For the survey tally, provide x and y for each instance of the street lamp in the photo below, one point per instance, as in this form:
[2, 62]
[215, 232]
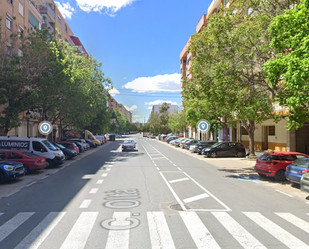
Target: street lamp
[28, 113]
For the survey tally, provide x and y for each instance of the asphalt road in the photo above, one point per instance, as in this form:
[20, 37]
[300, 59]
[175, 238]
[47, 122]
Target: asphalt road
[154, 197]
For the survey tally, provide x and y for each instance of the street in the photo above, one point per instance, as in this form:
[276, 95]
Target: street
[154, 197]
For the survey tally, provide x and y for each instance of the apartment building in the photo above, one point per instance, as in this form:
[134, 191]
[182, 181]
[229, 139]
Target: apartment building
[269, 135]
[21, 16]
[113, 104]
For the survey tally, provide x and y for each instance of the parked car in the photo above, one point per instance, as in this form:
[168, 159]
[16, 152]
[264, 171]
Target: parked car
[181, 144]
[31, 162]
[69, 153]
[188, 143]
[101, 139]
[91, 144]
[226, 149]
[274, 164]
[304, 182]
[10, 170]
[70, 145]
[81, 141]
[202, 145]
[168, 139]
[295, 170]
[128, 145]
[178, 141]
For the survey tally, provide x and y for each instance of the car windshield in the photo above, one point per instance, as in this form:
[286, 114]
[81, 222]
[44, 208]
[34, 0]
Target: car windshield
[60, 146]
[49, 145]
[268, 157]
[128, 142]
[302, 163]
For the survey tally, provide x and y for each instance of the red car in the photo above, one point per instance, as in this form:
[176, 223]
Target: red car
[30, 161]
[274, 164]
[69, 145]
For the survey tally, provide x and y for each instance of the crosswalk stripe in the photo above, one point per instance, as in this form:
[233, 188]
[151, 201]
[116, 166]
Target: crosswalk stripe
[237, 231]
[41, 231]
[7, 228]
[119, 238]
[279, 233]
[160, 235]
[80, 232]
[198, 231]
[295, 221]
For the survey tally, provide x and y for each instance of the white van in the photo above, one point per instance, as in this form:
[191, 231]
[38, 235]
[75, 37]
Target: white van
[38, 146]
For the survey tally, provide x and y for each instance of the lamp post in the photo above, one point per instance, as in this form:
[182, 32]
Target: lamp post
[28, 113]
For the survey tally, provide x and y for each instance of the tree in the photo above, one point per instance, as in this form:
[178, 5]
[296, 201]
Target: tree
[288, 70]
[227, 66]
[177, 122]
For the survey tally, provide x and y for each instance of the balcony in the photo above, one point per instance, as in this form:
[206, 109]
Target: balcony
[35, 11]
[46, 25]
[214, 5]
[47, 11]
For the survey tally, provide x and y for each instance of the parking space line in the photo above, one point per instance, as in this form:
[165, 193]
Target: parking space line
[284, 193]
[195, 198]
[179, 180]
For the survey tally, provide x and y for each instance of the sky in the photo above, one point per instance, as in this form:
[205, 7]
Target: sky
[138, 43]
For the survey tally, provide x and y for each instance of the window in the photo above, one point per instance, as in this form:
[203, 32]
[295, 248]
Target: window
[10, 1]
[244, 131]
[9, 22]
[14, 156]
[21, 9]
[59, 18]
[20, 32]
[271, 130]
[66, 28]
[20, 53]
[9, 50]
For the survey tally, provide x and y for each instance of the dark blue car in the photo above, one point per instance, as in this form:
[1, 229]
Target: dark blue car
[10, 170]
[295, 170]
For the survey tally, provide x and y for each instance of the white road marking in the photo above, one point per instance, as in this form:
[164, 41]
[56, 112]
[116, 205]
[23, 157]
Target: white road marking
[99, 181]
[284, 193]
[85, 204]
[195, 198]
[80, 232]
[119, 238]
[244, 238]
[93, 190]
[7, 228]
[104, 175]
[179, 180]
[295, 221]
[108, 169]
[199, 233]
[280, 234]
[41, 231]
[159, 232]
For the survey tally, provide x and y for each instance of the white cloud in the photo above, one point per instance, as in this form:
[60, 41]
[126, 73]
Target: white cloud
[132, 108]
[113, 91]
[66, 9]
[110, 7]
[158, 83]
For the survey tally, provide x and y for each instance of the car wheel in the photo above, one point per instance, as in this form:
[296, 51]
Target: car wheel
[240, 154]
[280, 175]
[2, 178]
[66, 157]
[27, 170]
[213, 154]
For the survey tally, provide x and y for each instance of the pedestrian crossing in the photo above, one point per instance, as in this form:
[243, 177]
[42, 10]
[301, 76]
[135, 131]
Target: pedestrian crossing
[199, 230]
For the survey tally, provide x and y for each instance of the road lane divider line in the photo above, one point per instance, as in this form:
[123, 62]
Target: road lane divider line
[160, 235]
[179, 180]
[157, 168]
[119, 238]
[279, 233]
[99, 182]
[244, 238]
[85, 204]
[173, 192]
[80, 232]
[199, 233]
[34, 239]
[104, 175]
[93, 191]
[195, 198]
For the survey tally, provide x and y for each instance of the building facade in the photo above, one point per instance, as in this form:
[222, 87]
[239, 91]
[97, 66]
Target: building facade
[171, 110]
[113, 104]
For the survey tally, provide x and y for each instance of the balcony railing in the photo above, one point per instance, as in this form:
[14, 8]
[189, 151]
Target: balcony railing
[34, 9]
[46, 9]
[47, 25]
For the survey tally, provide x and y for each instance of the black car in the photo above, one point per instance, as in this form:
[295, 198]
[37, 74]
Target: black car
[202, 145]
[91, 144]
[226, 149]
[10, 170]
[69, 154]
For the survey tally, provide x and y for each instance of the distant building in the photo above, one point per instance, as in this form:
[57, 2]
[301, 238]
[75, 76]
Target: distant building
[171, 110]
[113, 104]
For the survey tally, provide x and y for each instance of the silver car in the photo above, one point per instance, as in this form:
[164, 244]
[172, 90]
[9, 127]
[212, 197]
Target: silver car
[128, 145]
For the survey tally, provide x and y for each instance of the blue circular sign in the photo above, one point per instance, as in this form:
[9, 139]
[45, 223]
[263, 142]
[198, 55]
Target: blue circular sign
[45, 127]
[203, 125]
